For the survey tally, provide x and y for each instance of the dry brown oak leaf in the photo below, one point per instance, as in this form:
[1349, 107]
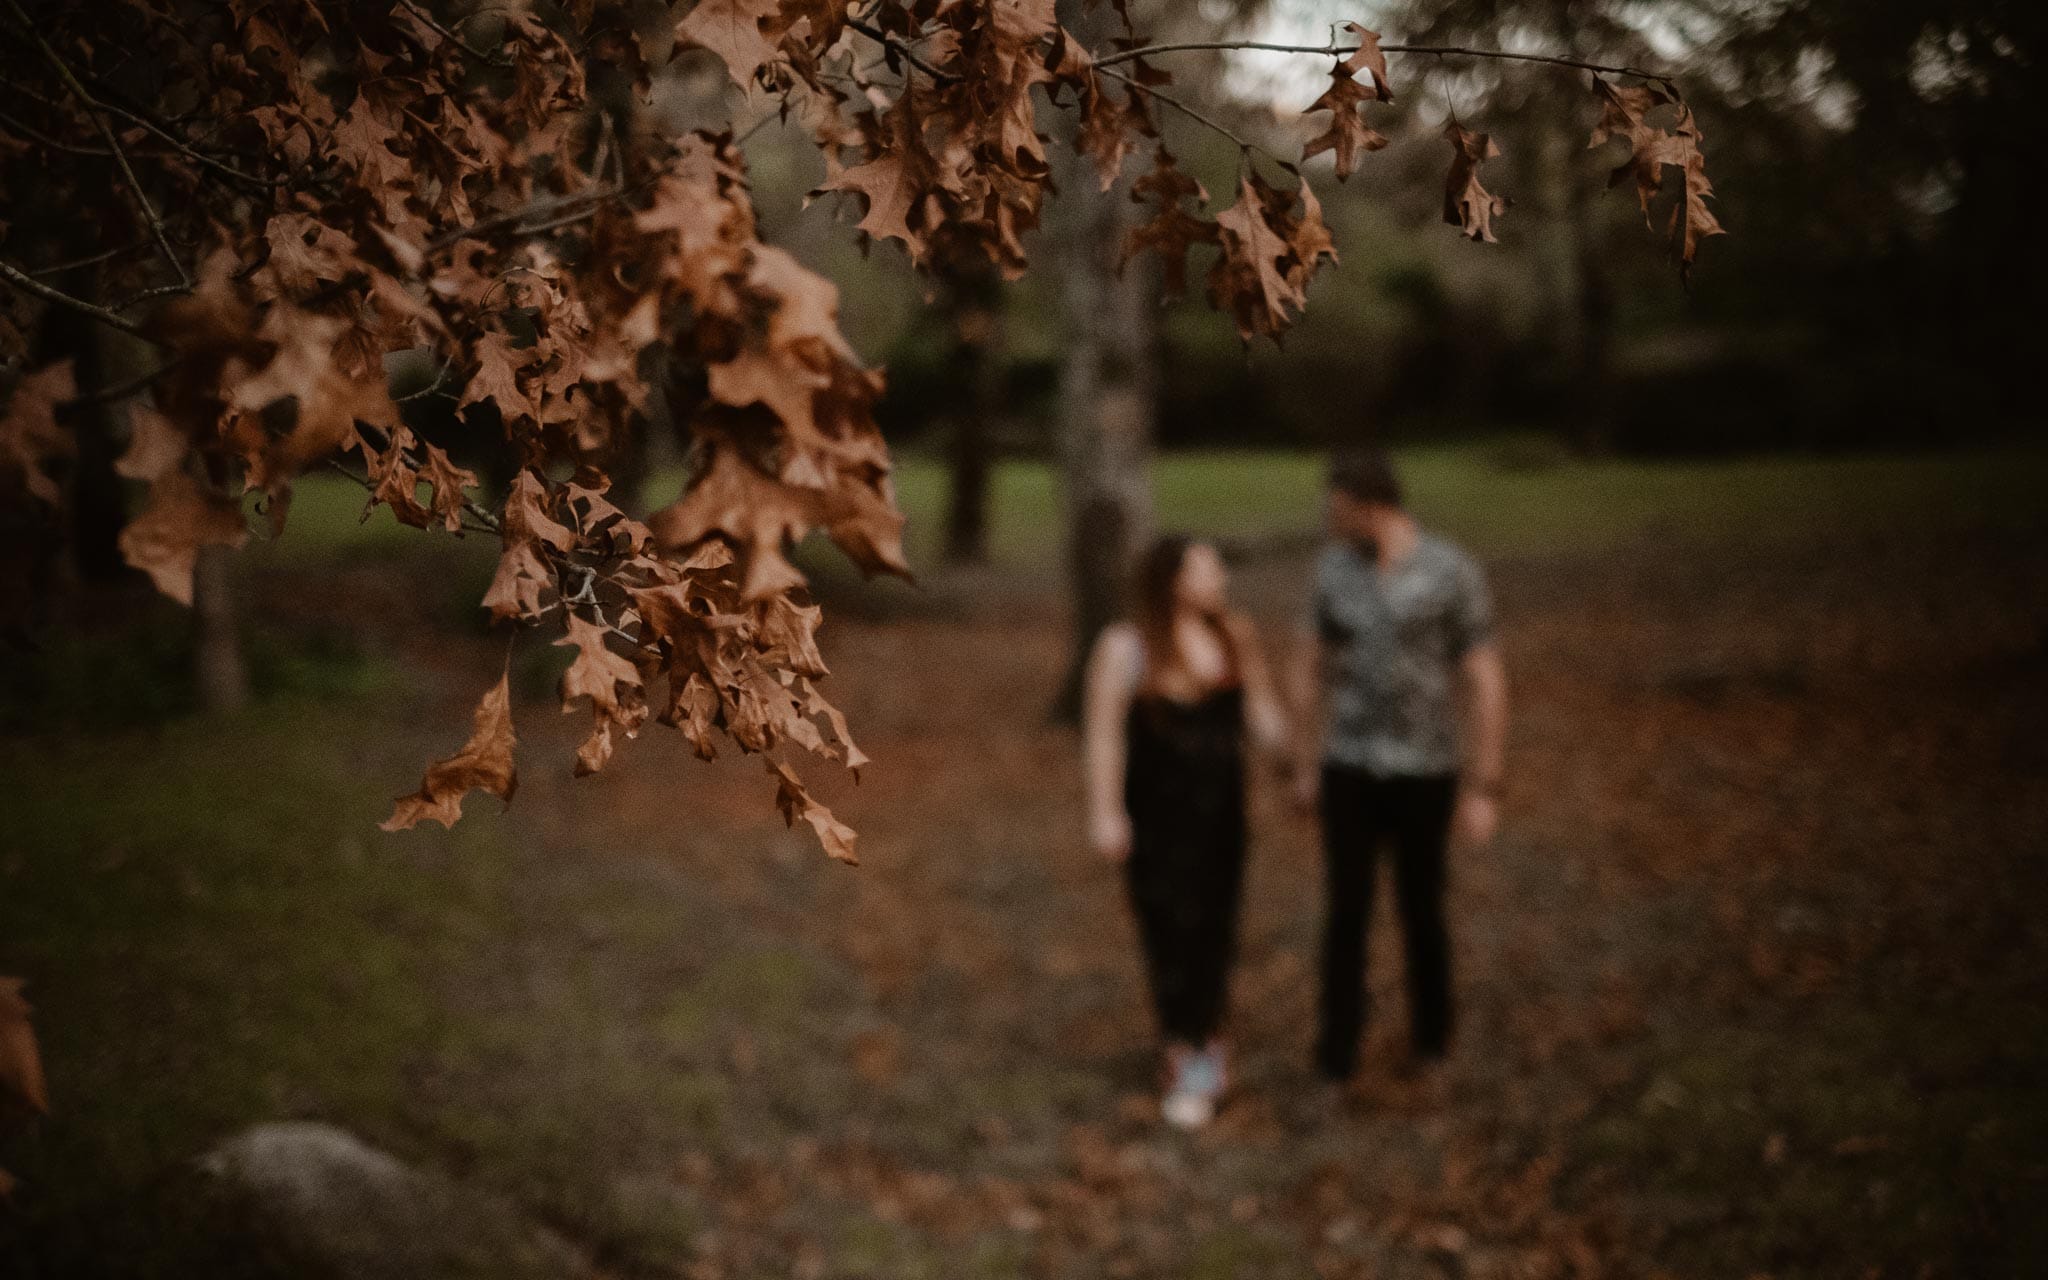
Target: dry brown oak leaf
[483, 764]
[1254, 277]
[1348, 135]
[795, 802]
[182, 517]
[743, 33]
[1172, 230]
[1367, 57]
[610, 682]
[1468, 205]
[29, 435]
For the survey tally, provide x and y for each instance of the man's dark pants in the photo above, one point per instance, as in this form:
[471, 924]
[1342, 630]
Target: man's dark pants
[1361, 814]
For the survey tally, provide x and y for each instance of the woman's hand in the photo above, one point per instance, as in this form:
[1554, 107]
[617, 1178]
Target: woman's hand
[1110, 835]
[1477, 818]
[1306, 787]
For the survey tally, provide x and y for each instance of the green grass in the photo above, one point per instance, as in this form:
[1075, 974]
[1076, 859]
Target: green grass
[211, 942]
[1488, 496]
[1501, 497]
[215, 935]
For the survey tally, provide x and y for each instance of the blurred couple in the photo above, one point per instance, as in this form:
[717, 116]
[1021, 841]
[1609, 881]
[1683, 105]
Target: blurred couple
[1399, 636]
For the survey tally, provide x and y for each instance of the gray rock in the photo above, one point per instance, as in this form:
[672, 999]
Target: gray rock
[361, 1213]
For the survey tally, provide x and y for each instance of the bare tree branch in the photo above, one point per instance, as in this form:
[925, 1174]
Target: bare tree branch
[145, 295]
[1334, 50]
[1185, 110]
[56, 297]
[514, 217]
[489, 521]
[909, 55]
[133, 117]
[56, 268]
[183, 147]
[86, 101]
[335, 465]
[433, 24]
[37, 136]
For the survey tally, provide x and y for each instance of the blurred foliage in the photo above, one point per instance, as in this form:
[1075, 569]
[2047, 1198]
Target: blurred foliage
[1872, 292]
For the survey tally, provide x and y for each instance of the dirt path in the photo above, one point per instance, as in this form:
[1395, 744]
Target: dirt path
[1751, 982]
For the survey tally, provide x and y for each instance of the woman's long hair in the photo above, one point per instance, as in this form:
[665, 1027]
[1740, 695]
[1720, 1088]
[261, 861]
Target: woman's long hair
[1156, 598]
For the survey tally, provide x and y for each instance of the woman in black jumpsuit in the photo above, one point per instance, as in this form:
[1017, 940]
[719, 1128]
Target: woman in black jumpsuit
[1184, 783]
[1171, 698]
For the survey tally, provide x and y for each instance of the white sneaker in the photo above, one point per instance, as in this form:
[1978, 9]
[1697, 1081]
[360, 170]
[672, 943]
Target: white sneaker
[1186, 1109]
[1197, 1082]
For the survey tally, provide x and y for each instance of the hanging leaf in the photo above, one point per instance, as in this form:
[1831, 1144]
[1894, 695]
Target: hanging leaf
[483, 764]
[30, 438]
[1468, 205]
[1348, 135]
[795, 802]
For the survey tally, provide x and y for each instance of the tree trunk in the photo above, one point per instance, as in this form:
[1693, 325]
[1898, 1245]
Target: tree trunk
[217, 669]
[972, 300]
[1107, 403]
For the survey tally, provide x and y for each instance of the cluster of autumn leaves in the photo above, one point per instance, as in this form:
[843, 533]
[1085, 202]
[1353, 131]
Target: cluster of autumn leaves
[395, 208]
[371, 180]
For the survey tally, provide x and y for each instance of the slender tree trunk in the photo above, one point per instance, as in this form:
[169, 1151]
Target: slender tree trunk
[217, 668]
[1108, 388]
[972, 300]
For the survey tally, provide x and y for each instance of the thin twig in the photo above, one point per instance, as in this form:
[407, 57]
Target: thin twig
[37, 136]
[335, 465]
[58, 268]
[146, 295]
[432, 388]
[155, 126]
[517, 218]
[565, 606]
[1338, 51]
[434, 24]
[106, 131]
[56, 297]
[567, 219]
[909, 55]
[489, 521]
[1187, 110]
[183, 147]
[512, 217]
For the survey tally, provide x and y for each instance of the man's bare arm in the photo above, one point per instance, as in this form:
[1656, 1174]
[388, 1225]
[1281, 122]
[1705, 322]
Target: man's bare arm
[1486, 697]
[1486, 688]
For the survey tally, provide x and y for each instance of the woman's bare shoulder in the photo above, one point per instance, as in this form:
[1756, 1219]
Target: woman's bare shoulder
[1120, 642]
[1118, 659]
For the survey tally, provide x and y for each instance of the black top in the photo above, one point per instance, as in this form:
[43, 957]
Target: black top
[1184, 769]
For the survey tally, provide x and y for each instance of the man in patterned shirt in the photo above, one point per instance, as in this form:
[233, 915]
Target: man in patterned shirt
[1401, 627]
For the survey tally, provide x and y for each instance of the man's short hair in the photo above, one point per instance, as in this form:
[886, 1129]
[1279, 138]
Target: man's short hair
[1365, 474]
